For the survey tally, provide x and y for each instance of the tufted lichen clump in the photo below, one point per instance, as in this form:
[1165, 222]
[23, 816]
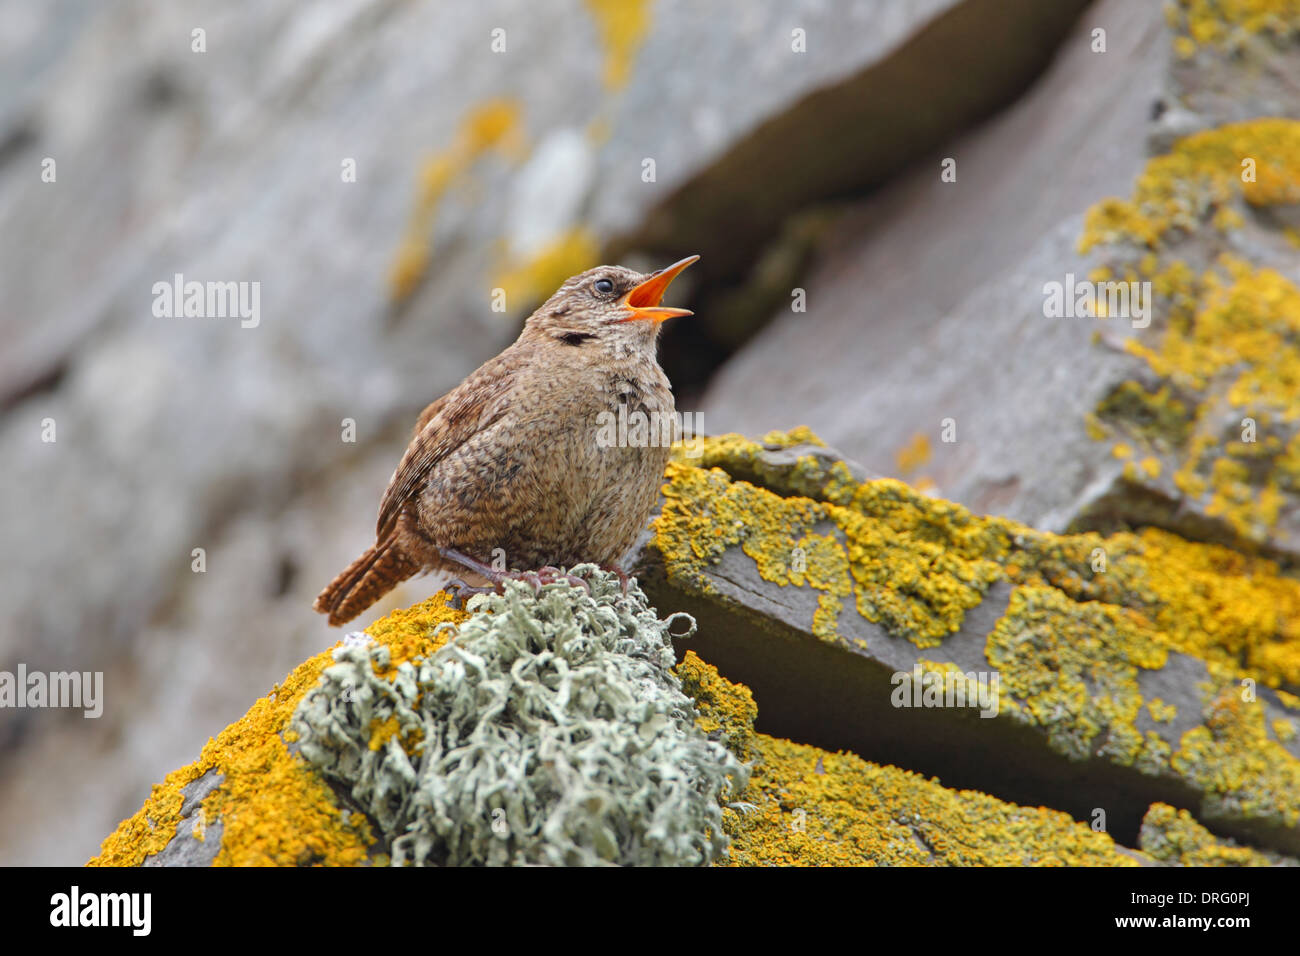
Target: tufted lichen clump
[549, 730]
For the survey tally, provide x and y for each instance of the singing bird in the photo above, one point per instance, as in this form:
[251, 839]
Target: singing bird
[517, 456]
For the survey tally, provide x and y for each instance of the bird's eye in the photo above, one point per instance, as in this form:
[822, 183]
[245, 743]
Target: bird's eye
[604, 286]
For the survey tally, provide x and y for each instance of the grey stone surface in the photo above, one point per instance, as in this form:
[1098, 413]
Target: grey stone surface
[183, 433]
[927, 305]
[197, 841]
[837, 693]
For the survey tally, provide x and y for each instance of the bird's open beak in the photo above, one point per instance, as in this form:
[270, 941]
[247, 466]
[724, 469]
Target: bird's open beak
[643, 301]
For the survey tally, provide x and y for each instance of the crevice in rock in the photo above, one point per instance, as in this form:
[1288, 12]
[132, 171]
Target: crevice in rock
[1128, 505]
[818, 694]
[743, 213]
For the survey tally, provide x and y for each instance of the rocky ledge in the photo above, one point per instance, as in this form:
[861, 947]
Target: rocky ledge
[846, 672]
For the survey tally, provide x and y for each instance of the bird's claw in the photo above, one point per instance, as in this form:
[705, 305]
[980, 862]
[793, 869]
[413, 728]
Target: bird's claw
[462, 592]
[554, 574]
[539, 578]
[623, 578]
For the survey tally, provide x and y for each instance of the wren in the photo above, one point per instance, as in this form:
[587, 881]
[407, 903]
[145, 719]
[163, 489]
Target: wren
[511, 458]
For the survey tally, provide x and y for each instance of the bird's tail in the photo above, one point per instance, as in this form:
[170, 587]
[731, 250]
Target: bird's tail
[384, 566]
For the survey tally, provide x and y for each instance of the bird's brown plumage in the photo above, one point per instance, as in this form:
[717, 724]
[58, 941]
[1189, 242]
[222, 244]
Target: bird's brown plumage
[515, 457]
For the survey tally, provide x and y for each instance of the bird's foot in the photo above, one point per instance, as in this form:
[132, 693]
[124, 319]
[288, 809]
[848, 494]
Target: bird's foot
[462, 592]
[549, 575]
[623, 578]
[538, 578]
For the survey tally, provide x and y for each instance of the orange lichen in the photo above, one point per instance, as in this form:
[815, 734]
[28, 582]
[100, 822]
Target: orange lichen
[1174, 836]
[808, 807]
[1257, 160]
[815, 808]
[493, 126]
[915, 454]
[273, 809]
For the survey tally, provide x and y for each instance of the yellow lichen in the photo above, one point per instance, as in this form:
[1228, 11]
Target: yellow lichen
[566, 255]
[916, 564]
[1232, 758]
[1174, 836]
[1156, 418]
[915, 567]
[915, 454]
[1283, 730]
[622, 25]
[1087, 614]
[1073, 669]
[1161, 712]
[1202, 173]
[814, 808]
[1227, 355]
[808, 807]
[273, 809]
[493, 126]
[1228, 24]
[727, 710]
[1236, 612]
[381, 731]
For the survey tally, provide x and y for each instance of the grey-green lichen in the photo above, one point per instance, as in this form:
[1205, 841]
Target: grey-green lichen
[549, 730]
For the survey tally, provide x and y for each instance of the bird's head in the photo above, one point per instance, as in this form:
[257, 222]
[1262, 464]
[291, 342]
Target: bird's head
[609, 304]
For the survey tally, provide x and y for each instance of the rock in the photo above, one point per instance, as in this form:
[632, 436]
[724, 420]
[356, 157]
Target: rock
[808, 807]
[272, 789]
[1106, 713]
[928, 318]
[842, 603]
[1173, 836]
[228, 156]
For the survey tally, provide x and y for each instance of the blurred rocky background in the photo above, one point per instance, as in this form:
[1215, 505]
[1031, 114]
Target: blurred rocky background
[389, 172]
